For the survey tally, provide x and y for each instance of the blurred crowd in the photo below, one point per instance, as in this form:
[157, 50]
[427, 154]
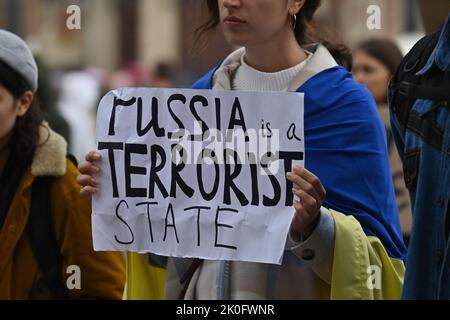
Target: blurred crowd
[70, 98]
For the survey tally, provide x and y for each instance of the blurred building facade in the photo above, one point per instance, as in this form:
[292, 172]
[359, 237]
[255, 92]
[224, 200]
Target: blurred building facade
[114, 32]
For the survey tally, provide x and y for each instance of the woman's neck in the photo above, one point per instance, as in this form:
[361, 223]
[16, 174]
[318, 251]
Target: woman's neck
[278, 54]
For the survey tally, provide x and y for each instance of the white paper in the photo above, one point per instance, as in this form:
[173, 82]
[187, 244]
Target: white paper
[129, 216]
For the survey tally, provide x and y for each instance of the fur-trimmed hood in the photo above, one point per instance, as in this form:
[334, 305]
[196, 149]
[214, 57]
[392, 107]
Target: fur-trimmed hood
[50, 156]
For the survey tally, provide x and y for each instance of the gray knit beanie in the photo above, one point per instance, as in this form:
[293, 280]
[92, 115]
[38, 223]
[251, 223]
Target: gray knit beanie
[15, 53]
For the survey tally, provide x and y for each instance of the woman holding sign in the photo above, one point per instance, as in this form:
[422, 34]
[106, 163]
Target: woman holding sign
[345, 235]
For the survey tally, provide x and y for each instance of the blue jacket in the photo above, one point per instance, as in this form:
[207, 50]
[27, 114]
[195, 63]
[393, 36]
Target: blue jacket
[428, 263]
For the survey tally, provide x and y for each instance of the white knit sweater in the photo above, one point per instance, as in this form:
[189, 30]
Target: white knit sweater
[250, 79]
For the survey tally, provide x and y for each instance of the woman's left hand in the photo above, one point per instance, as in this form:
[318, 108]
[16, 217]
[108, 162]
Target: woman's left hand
[311, 193]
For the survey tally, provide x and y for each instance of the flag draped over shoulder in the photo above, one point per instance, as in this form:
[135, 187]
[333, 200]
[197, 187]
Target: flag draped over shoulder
[346, 148]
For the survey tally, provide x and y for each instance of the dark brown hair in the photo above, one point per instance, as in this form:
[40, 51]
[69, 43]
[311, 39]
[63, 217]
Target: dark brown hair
[305, 32]
[25, 136]
[384, 50]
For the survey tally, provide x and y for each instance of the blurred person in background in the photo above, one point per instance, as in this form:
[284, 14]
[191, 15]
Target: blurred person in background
[79, 95]
[45, 225]
[47, 98]
[139, 73]
[374, 63]
[132, 74]
[163, 76]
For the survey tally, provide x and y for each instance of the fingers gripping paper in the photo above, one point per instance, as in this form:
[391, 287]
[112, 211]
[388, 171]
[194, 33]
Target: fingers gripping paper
[197, 173]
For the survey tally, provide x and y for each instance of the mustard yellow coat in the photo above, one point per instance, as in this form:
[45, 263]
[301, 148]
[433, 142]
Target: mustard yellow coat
[144, 281]
[102, 273]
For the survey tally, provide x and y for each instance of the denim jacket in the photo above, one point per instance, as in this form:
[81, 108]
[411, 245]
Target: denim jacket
[427, 173]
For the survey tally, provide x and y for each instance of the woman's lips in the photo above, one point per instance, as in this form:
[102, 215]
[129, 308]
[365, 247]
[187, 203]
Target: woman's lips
[233, 21]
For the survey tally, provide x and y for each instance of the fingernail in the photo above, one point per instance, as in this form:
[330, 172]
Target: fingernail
[289, 174]
[96, 169]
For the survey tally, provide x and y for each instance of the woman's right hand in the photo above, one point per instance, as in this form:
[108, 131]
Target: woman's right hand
[87, 170]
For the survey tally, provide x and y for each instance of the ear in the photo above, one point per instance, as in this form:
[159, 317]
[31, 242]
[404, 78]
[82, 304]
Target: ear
[24, 103]
[295, 6]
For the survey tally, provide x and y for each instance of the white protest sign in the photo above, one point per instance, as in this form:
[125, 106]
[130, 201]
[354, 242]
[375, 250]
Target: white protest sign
[197, 173]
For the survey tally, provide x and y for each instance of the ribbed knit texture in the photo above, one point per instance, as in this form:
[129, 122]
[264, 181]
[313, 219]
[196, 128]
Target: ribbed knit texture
[248, 78]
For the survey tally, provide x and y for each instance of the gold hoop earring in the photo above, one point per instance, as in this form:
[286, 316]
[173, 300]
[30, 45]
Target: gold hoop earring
[294, 22]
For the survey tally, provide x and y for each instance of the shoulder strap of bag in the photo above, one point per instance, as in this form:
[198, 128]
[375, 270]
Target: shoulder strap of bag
[405, 83]
[41, 231]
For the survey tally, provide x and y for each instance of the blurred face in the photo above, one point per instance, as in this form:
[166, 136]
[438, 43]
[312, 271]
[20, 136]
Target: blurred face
[7, 112]
[371, 72]
[254, 22]
[10, 109]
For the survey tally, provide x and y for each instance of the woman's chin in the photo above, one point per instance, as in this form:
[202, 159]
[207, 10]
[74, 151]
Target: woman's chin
[236, 40]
